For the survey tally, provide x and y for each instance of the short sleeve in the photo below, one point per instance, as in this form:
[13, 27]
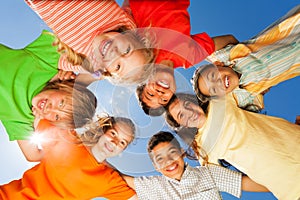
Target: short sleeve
[247, 100]
[43, 48]
[117, 187]
[145, 186]
[227, 180]
[18, 130]
[174, 41]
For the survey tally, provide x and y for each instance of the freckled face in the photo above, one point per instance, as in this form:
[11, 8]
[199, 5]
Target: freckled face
[115, 139]
[119, 54]
[50, 104]
[187, 114]
[218, 81]
[160, 88]
[168, 160]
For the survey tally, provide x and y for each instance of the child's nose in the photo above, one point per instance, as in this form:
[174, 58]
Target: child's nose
[115, 140]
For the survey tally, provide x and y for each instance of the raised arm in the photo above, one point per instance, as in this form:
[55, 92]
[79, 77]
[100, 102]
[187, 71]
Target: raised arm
[251, 186]
[30, 150]
[129, 180]
[223, 40]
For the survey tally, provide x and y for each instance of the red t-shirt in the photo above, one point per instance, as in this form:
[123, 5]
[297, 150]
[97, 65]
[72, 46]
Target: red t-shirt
[171, 23]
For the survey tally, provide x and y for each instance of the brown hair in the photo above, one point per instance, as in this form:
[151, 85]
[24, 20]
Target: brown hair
[147, 109]
[188, 136]
[94, 130]
[185, 97]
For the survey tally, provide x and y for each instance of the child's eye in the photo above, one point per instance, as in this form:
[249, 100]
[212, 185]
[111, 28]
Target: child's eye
[159, 159]
[181, 116]
[117, 68]
[173, 152]
[123, 143]
[186, 104]
[150, 94]
[213, 76]
[126, 51]
[113, 133]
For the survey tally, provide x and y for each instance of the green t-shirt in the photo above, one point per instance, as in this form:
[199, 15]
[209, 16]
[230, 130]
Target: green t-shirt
[24, 73]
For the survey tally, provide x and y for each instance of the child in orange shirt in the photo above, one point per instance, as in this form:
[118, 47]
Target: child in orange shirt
[70, 170]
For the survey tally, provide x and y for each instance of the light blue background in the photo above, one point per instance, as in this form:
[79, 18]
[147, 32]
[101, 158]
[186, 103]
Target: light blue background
[19, 26]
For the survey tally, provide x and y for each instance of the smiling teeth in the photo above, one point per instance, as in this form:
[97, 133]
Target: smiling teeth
[105, 48]
[226, 82]
[163, 84]
[171, 167]
[42, 104]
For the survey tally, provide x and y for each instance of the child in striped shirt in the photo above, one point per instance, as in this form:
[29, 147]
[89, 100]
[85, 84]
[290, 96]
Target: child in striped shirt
[249, 69]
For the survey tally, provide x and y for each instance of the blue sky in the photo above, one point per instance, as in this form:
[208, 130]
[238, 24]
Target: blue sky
[244, 19]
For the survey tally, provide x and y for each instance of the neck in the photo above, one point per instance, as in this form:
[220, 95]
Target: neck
[98, 155]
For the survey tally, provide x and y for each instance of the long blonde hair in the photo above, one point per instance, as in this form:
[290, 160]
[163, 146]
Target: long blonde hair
[72, 56]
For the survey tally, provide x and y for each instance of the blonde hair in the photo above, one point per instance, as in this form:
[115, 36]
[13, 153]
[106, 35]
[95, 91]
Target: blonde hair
[72, 56]
[148, 51]
[82, 105]
[94, 130]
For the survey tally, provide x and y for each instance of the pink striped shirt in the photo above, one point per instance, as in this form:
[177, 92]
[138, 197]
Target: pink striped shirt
[77, 22]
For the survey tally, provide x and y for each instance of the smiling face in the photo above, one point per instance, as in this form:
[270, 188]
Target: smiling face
[50, 105]
[187, 114]
[115, 140]
[218, 81]
[118, 54]
[168, 160]
[160, 88]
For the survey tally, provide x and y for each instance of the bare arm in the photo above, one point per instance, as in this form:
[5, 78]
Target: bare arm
[31, 152]
[224, 40]
[134, 197]
[251, 186]
[129, 180]
[297, 120]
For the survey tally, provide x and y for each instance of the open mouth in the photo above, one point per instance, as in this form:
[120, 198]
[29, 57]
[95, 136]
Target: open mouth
[226, 82]
[172, 167]
[108, 147]
[104, 47]
[163, 84]
[41, 104]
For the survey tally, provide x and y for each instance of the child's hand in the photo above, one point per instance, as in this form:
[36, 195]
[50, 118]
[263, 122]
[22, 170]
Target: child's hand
[265, 91]
[66, 75]
[219, 64]
[297, 120]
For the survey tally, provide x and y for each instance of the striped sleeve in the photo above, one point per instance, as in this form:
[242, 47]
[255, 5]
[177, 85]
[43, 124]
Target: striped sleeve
[77, 22]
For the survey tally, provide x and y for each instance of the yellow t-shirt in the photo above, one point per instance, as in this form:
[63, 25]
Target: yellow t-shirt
[265, 148]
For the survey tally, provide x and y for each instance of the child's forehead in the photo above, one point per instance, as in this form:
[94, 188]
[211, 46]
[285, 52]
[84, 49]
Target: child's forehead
[163, 147]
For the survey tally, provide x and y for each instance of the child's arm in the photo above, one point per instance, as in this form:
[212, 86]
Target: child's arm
[224, 40]
[251, 186]
[30, 150]
[297, 120]
[129, 180]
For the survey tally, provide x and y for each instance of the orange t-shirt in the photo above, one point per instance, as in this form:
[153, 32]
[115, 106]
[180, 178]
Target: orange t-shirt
[67, 171]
